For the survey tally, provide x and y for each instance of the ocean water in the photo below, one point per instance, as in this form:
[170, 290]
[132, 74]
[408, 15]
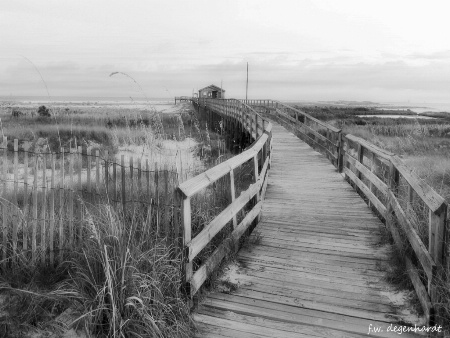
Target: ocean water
[85, 100]
[415, 107]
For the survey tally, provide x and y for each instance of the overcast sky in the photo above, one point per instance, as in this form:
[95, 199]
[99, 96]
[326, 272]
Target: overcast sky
[300, 50]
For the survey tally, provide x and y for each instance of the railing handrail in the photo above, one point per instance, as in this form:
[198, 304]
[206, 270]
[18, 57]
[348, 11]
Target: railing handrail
[430, 258]
[248, 118]
[201, 181]
[323, 124]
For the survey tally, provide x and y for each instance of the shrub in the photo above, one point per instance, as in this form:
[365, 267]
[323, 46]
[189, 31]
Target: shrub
[43, 111]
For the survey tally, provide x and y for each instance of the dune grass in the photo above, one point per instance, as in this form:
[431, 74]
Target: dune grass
[123, 281]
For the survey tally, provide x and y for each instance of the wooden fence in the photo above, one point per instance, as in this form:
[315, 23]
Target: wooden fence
[45, 197]
[259, 154]
[415, 214]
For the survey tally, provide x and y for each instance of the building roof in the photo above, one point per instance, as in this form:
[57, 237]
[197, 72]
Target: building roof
[213, 87]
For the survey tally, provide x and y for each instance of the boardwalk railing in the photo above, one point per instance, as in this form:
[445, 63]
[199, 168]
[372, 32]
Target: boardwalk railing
[318, 134]
[414, 213]
[409, 207]
[259, 153]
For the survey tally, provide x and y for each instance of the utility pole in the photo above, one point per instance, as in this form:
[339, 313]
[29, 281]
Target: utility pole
[246, 86]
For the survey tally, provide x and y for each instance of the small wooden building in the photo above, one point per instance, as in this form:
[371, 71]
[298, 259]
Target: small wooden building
[212, 91]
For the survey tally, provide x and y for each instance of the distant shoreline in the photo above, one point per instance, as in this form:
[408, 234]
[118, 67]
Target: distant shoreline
[418, 108]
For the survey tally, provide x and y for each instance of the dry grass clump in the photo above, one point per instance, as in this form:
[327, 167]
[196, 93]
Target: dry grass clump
[124, 281]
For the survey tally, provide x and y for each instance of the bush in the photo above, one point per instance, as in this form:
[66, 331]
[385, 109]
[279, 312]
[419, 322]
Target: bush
[43, 111]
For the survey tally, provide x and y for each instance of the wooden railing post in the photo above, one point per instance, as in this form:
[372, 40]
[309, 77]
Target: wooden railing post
[233, 195]
[393, 179]
[436, 238]
[187, 233]
[340, 152]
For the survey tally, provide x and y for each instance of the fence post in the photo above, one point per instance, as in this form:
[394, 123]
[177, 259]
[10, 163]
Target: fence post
[61, 203]
[80, 194]
[71, 197]
[15, 215]
[52, 209]
[35, 210]
[25, 202]
[122, 178]
[4, 211]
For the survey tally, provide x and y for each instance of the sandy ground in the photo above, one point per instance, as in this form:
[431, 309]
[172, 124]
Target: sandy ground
[176, 155]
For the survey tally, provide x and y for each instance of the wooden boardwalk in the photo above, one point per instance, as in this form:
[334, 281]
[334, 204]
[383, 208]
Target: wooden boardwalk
[316, 270]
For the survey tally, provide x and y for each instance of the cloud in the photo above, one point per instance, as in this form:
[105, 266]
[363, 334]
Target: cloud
[269, 77]
[441, 55]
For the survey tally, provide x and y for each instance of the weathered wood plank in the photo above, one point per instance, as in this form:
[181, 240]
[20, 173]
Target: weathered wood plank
[371, 147]
[432, 199]
[227, 246]
[421, 291]
[419, 248]
[203, 238]
[375, 201]
[368, 174]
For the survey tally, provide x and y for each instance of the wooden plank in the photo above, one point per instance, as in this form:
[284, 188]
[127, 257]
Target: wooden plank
[122, 179]
[97, 175]
[307, 129]
[187, 233]
[25, 201]
[201, 181]
[157, 197]
[147, 177]
[139, 179]
[61, 203]
[233, 196]
[35, 209]
[266, 309]
[71, 195]
[166, 202]
[79, 199]
[330, 155]
[131, 183]
[114, 184]
[44, 209]
[52, 209]
[419, 248]
[209, 231]
[16, 188]
[228, 245]
[256, 176]
[106, 175]
[375, 201]
[436, 237]
[4, 205]
[380, 185]
[88, 172]
[421, 291]
[323, 124]
[371, 147]
[432, 199]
